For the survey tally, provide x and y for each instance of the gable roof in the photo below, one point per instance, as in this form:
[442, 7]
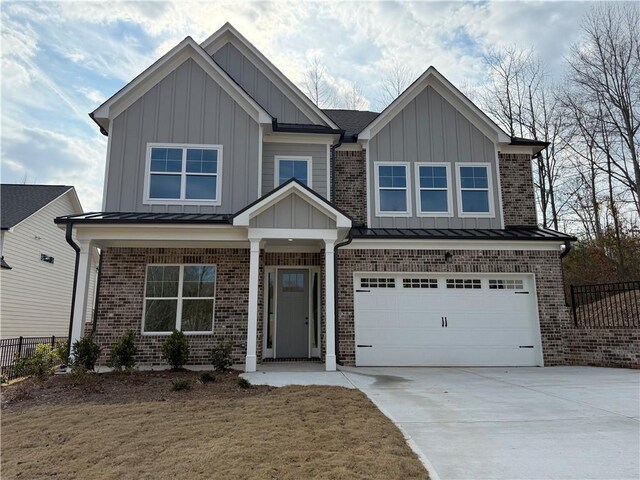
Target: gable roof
[228, 33]
[19, 202]
[187, 48]
[293, 185]
[351, 121]
[431, 77]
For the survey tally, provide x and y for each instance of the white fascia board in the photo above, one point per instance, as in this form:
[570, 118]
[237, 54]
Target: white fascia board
[431, 77]
[518, 149]
[294, 233]
[350, 147]
[245, 217]
[186, 49]
[159, 232]
[307, 138]
[440, 244]
[228, 33]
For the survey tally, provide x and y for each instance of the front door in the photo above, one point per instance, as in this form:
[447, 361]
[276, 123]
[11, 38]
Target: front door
[292, 322]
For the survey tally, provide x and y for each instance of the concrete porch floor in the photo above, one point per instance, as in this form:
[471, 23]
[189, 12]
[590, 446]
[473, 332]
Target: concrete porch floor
[296, 373]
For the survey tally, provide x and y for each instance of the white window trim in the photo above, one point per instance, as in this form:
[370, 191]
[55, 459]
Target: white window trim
[382, 213]
[276, 166]
[183, 176]
[491, 213]
[419, 212]
[179, 298]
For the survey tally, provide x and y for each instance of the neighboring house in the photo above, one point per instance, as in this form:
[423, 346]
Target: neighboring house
[234, 208]
[36, 278]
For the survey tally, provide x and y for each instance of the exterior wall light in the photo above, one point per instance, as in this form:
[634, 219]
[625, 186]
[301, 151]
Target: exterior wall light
[448, 257]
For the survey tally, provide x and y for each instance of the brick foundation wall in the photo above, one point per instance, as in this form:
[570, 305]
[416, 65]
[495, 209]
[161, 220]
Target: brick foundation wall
[545, 265]
[603, 347]
[350, 194]
[122, 296]
[516, 183]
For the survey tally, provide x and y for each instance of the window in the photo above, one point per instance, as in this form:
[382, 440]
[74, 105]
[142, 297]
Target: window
[465, 283]
[378, 283]
[433, 180]
[184, 174]
[391, 189]
[293, 167]
[293, 282]
[180, 297]
[420, 283]
[474, 198]
[506, 284]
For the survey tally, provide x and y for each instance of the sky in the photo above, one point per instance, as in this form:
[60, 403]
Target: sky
[61, 60]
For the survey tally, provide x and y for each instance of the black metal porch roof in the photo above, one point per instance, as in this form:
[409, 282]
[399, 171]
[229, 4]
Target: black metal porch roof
[513, 233]
[144, 217]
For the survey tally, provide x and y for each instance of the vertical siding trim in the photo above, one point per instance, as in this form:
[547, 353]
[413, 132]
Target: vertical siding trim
[106, 172]
[260, 134]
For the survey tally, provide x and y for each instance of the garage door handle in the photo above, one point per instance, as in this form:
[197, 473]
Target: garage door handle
[446, 323]
[442, 318]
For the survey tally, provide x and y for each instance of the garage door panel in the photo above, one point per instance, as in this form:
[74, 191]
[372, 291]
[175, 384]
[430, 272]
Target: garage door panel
[485, 327]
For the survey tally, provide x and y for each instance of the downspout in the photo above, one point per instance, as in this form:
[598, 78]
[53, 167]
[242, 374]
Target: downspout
[76, 247]
[335, 287]
[567, 249]
[97, 299]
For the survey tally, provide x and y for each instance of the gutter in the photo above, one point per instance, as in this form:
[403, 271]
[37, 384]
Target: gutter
[567, 249]
[102, 130]
[76, 247]
[335, 288]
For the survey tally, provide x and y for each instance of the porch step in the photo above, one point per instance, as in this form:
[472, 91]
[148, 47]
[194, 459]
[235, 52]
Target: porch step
[282, 360]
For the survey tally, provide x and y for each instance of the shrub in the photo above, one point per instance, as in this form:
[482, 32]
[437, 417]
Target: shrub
[180, 385]
[244, 383]
[61, 351]
[175, 349]
[40, 364]
[207, 377]
[85, 353]
[123, 353]
[3, 378]
[220, 356]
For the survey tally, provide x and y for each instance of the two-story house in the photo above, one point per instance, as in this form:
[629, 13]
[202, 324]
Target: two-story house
[235, 208]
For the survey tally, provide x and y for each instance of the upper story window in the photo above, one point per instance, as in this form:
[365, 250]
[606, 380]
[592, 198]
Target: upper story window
[183, 174]
[392, 193]
[434, 191]
[474, 192]
[292, 167]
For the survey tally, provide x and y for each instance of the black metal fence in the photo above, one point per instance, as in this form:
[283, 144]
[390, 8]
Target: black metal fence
[609, 305]
[25, 346]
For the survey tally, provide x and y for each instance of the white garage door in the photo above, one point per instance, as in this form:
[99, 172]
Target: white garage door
[446, 320]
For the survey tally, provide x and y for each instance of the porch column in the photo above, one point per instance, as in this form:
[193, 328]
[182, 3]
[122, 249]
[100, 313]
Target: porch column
[330, 306]
[252, 320]
[82, 291]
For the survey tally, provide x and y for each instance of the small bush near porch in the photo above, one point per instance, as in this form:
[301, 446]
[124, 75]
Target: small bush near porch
[134, 426]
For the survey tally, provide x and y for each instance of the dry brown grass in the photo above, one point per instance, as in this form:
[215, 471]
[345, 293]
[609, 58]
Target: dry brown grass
[293, 433]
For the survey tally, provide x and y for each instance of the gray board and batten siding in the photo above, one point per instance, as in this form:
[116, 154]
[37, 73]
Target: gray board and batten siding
[293, 212]
[186, 107]
[258, 86]
[430, 129]
[317, 152]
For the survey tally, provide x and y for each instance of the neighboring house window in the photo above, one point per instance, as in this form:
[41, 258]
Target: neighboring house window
[391, 189]
[474, 194]
[183, 174]
[293, 167]
[433, 180]
[180, 297]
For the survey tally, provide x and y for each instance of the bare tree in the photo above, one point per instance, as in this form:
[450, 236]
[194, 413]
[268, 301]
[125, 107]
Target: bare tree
[316, 85]
[393, 82]
[353, 99]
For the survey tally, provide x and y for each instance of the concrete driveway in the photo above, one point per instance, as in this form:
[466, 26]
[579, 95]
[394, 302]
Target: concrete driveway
[514, 423]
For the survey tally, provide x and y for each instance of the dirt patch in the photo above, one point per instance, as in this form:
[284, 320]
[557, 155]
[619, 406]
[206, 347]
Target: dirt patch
[214, 430]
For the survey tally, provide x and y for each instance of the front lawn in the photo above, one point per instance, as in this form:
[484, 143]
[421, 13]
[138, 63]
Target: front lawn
[135, 426]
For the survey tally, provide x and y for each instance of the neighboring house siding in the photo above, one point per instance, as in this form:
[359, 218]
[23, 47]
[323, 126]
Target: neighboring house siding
[545, 265]
[36, 295]
[187, 106]
[258, 86]
[292, 212]
[430, 129]
[518, 197]
[317, 152]
[350, 185]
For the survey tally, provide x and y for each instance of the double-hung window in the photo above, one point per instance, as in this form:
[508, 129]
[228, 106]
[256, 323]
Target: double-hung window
[434, 192]
[287, 167]
[474, 192]
[392, 192]
[184, 174]
[180, 297]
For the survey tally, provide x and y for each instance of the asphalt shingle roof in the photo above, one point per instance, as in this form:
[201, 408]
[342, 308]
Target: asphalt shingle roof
[351, 121]
[18, 202]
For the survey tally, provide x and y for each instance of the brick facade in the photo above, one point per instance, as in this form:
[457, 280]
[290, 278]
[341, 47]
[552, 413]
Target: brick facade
[603, 347]
[350, 193]
[516, 183]
[553, 313]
